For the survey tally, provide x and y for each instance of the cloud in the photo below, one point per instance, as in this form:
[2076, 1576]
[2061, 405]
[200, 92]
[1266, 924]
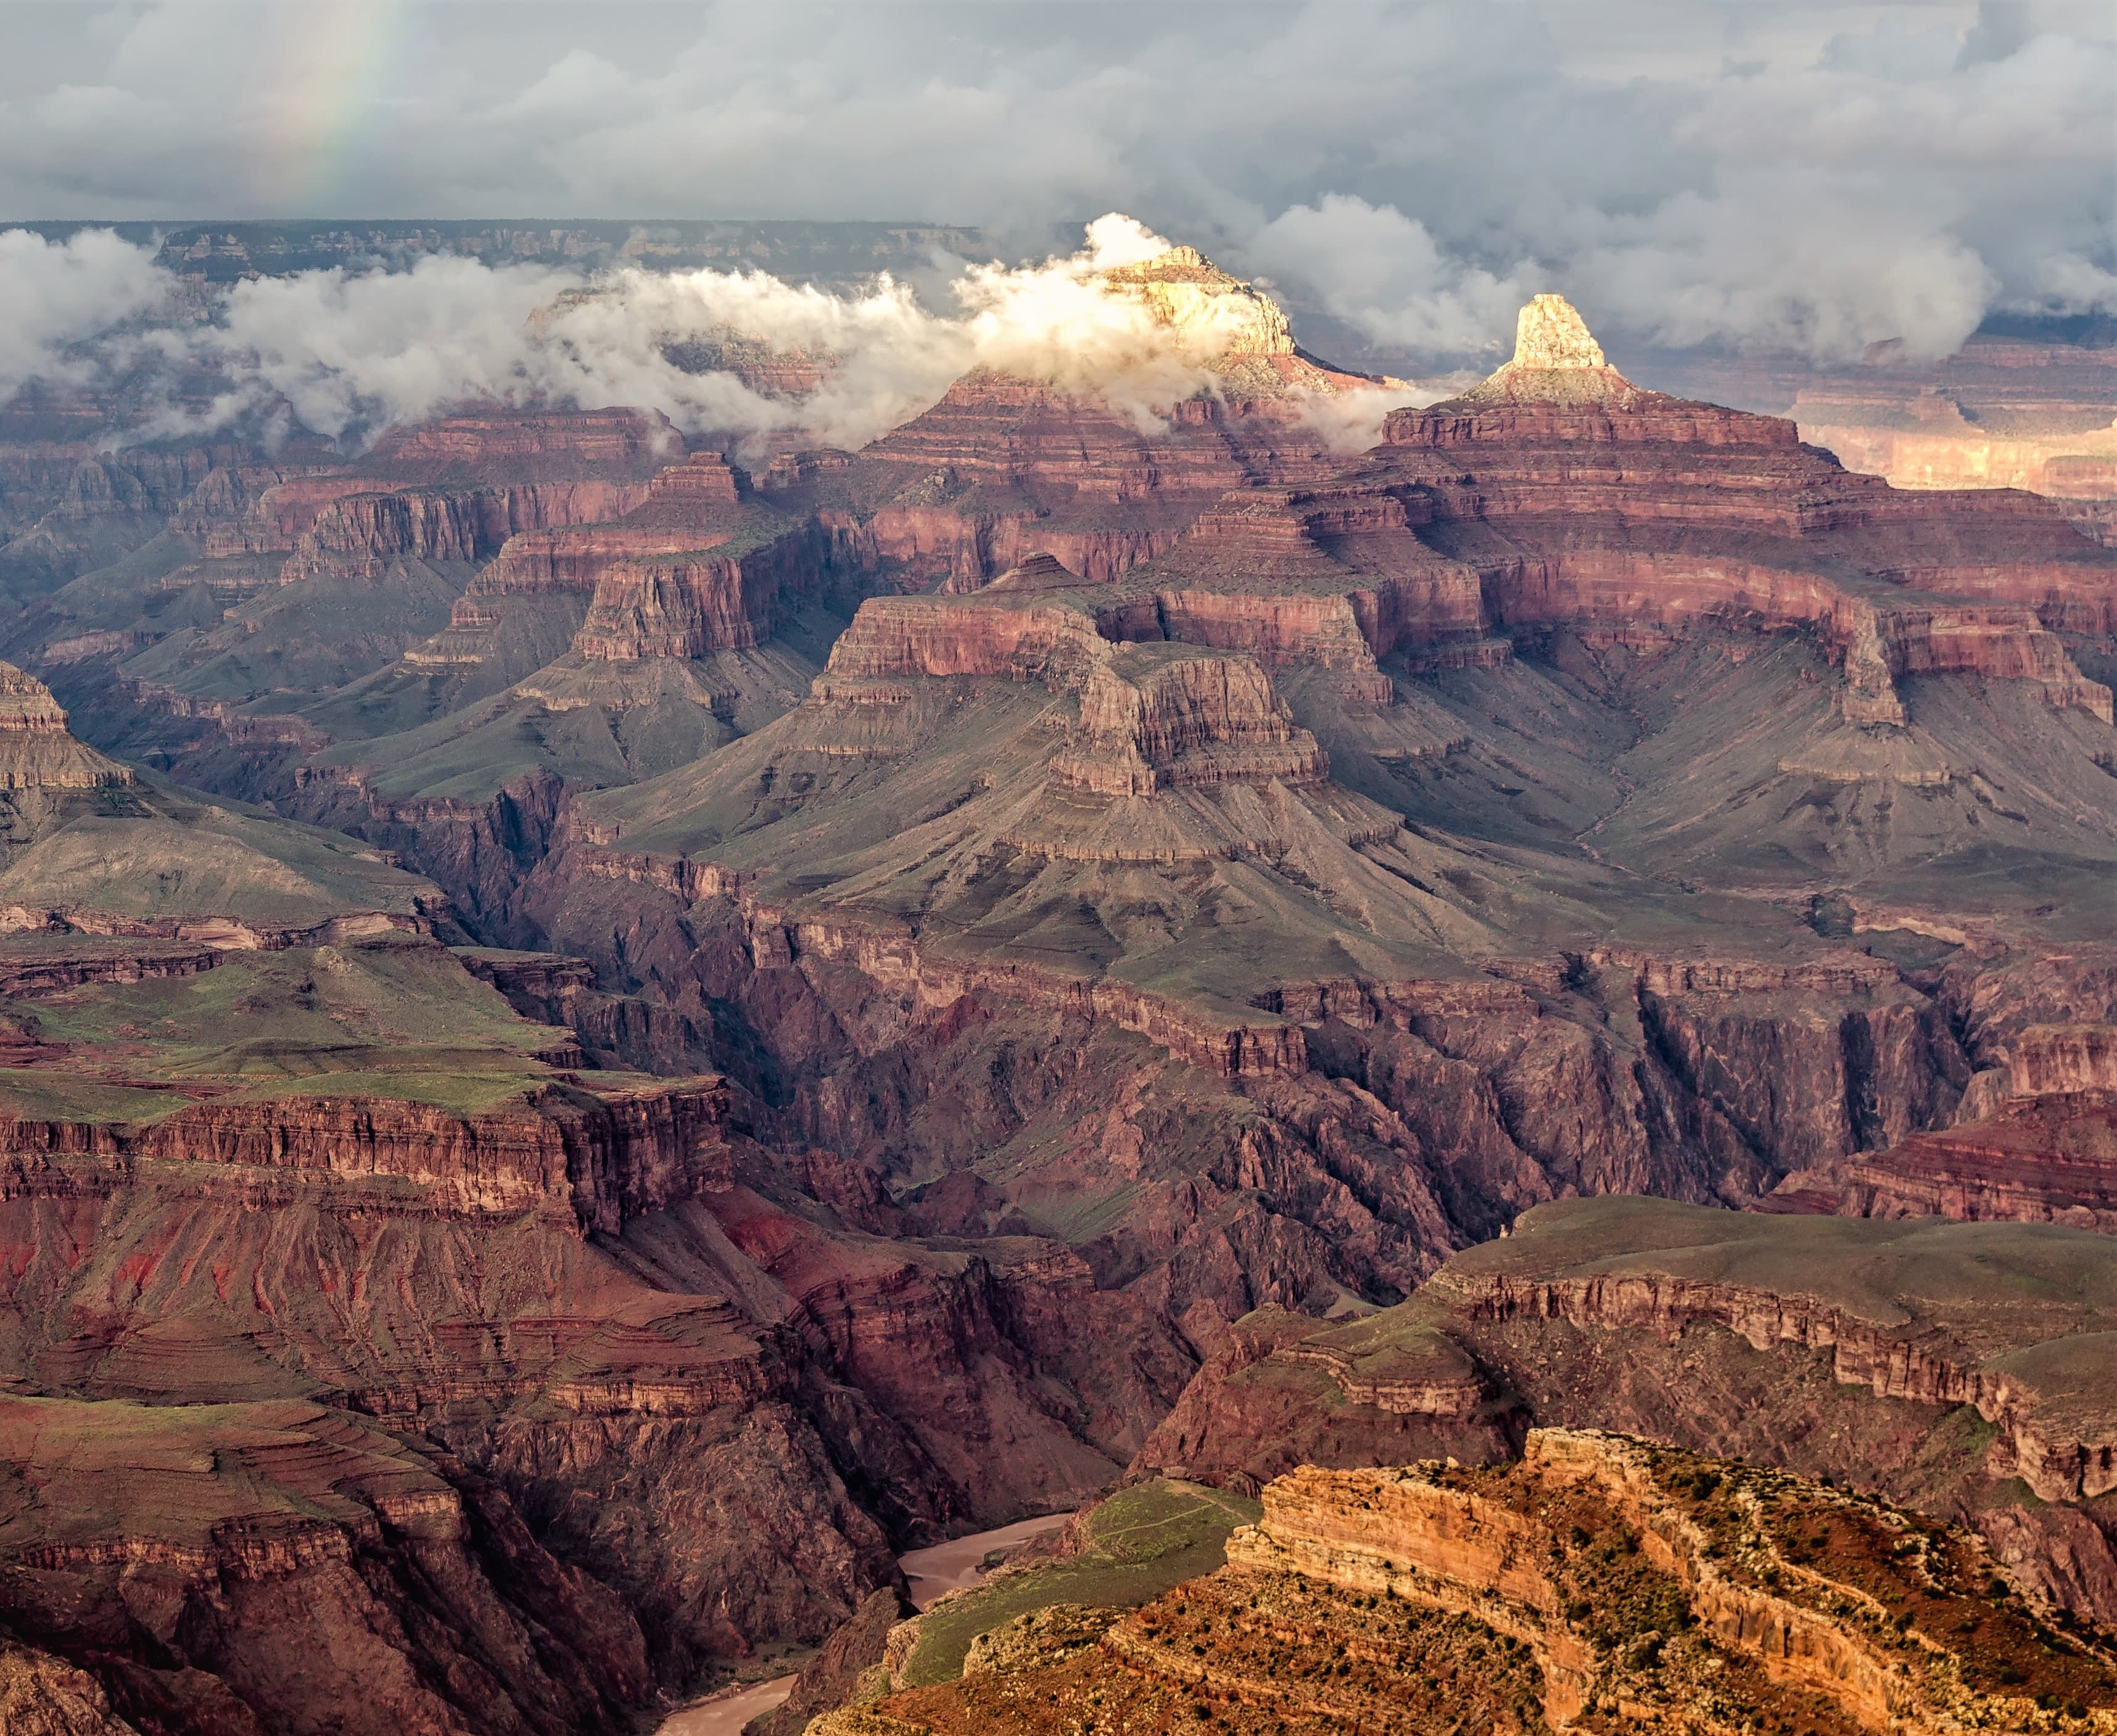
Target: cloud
[1384, 275]
[56, 295]
[1810, 172]
[347, 354]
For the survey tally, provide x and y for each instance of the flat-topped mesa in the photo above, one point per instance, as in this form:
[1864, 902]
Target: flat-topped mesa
[697, 600]
[37, 750]
[895, 637]
[1161, 717]
[704, 480]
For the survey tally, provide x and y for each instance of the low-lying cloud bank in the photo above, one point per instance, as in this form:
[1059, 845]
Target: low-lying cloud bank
[347, 354]
[1813, 175]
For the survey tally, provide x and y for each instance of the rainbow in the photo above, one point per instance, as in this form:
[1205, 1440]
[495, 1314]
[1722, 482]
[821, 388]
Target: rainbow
[335, 61]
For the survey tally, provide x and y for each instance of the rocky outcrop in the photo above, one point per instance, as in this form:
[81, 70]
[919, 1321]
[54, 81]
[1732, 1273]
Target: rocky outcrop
[37, 750]
[41, 1695]
[687, 604]
[1478, 1545]
[358, 536]
[258, 1556]
[1705, 1328]
[1151, 722]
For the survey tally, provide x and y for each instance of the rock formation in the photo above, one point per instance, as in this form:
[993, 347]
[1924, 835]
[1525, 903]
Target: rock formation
[37, 751]
[1601, 1583]
[1115, 905]
[1648, 1317]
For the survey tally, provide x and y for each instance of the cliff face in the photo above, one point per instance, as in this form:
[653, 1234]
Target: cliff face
[360, 535]
[687, 604]
[1599, 1584]
[580, 1159]
[37, 751]
[263, 1554]
[1661, 1334]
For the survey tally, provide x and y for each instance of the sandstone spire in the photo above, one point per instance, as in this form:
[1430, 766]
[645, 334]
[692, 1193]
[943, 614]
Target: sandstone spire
[1551, 333]
[1556, 361]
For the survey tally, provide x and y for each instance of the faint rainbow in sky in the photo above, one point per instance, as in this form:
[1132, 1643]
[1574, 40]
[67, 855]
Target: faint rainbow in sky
[338, 61]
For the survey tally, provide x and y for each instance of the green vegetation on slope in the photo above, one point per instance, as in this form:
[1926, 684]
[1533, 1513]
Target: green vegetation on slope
[1138, 1543]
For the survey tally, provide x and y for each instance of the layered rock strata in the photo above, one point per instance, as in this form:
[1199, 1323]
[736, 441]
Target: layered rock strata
[37, 750]
[1599, 1584]
[1652, 1318]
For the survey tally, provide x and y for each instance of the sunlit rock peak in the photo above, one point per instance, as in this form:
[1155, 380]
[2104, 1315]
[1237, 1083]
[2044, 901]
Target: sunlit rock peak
[1556, 360]
[1185, 291]
[1235, 330]
[1551, 333]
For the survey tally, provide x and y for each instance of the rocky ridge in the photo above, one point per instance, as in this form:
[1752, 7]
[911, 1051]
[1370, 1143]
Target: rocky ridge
[1598, 1583]
[1535, 1327]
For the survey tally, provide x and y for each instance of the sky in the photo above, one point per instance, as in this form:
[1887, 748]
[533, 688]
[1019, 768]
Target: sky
[1763, 173]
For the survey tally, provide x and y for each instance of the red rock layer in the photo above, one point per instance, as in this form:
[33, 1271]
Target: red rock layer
[685, 605]
[590, 1161]
[1584, 479]
[358, 536]
[2049, 1159]
[614, 445]
[1001, 469]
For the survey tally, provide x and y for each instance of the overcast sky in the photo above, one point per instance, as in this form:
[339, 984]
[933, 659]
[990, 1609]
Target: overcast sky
[1818, 175]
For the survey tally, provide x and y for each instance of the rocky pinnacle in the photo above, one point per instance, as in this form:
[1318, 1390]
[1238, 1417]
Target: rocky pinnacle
[1551, 333]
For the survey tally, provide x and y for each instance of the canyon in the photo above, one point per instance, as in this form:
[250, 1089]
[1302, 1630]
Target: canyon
[610, 1027]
